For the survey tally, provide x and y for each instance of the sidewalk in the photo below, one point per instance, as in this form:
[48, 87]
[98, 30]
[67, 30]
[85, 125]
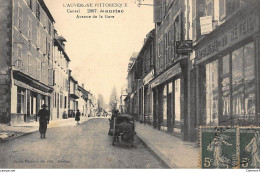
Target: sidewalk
[13, 131]
[173, 151]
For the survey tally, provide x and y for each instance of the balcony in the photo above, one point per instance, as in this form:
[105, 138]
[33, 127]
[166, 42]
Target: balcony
[75, 94]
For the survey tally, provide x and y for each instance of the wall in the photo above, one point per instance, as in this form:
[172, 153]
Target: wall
[5, 59]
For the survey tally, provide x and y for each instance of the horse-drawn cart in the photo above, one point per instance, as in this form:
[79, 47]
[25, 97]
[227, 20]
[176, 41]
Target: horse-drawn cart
[122, 127]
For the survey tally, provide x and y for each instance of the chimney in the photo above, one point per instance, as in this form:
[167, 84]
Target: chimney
[83, 86]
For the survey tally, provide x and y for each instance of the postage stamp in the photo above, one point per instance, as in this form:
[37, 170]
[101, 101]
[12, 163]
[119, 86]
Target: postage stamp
[249, 147]
[218, 147]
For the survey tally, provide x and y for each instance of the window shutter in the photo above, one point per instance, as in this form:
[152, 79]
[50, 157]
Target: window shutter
[50, 71]
[222, 9]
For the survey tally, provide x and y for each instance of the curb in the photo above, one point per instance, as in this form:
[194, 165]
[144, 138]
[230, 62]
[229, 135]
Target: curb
[10, 139]
[157, 153]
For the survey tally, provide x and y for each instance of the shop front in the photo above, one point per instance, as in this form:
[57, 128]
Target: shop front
[27, 97]
[147, 98]
[170, 98]
[227, 63]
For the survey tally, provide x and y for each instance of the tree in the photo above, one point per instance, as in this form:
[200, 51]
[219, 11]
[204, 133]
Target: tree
[113, 100]
[101, 103]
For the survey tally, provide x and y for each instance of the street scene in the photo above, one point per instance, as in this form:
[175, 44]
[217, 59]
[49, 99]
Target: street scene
[130, 84]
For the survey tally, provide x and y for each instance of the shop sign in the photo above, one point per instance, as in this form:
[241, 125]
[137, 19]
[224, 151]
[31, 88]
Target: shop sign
[206, 25]
[148, 77]
[236, 32]
[175, 70]
[184, 46]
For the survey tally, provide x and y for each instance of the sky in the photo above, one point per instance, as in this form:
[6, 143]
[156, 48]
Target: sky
[100, 48]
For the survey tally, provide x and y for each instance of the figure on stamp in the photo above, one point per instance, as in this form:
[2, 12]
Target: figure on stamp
[216, 145]
[253, 148]
[44, 120]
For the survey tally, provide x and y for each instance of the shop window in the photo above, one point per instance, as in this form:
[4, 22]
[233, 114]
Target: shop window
[212, 93]
[237, 83]
[177, 100]
[243, 84]
[20, 100]
[250, 87]
[225, 84]
[165, 105]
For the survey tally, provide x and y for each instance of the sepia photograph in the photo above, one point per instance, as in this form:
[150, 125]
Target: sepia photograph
[129, 84]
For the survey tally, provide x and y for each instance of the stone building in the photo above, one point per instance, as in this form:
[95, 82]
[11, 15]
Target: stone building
[26, 43]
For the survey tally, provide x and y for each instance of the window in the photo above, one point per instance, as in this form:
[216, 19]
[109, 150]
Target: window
[165, 104]
[48, 49]
[38, 72]
[151, 54]
[38, 38]
[54, 98]
[231, 87]
[210, 8]
[160, 56]
[20, 18]
[163, 6]
[65, 102]
[43, 71]
[38, 11]
[29, 3]
[19, 53]
[167, 48]
[177, 29]
[29, 64]
[225, 84]
[243, 82]
[61, 101]
[227, 7]
[177, 99]
[20, 100]
[212, 93]
[29, 29]
[49, 27]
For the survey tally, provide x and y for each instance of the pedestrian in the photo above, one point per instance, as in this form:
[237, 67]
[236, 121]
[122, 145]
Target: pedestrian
[44, 120]
[77, 117]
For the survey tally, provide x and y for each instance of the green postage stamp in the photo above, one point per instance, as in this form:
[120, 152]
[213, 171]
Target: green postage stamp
[249, 147]
[230, 147]
[218, 147]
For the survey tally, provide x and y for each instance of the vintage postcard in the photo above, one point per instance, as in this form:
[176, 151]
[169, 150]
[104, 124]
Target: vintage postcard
[129, 84]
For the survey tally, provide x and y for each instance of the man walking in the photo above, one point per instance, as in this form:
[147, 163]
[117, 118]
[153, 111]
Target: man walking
[77, 118]
[44, 120]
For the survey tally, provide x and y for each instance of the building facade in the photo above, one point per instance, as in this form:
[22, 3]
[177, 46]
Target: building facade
[227, 67]
[74, 95]
[83, 101]
[26, 59]
[171, 82]
[60, 79]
